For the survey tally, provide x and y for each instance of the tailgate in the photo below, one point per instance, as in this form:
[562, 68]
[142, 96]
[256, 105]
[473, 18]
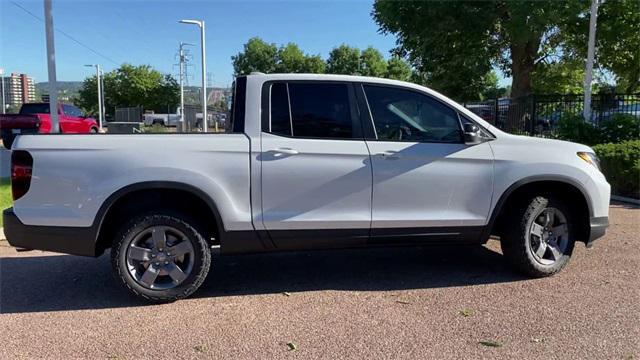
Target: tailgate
[19, 123]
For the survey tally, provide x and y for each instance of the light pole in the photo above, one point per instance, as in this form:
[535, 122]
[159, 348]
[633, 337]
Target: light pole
[2, 92]
[99, 82]
[182, 61]
[200, 24]
[593, 20]
[51, 67]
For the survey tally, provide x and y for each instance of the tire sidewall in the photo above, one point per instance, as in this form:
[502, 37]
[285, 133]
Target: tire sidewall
[202, 256]
[538, 206]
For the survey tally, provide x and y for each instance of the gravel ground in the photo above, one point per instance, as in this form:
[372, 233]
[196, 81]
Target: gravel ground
[438, 302]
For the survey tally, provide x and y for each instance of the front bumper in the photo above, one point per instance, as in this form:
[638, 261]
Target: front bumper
[597, 228]
[69, 240]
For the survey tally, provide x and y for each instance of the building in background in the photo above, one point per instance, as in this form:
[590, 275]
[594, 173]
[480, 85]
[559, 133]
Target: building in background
[18, 89]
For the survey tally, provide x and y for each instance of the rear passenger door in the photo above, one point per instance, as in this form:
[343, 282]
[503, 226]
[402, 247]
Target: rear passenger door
[316, 171]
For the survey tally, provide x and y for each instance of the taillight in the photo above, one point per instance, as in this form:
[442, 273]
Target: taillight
[21, 167]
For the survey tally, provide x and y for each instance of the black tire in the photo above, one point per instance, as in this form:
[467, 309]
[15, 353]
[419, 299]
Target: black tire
[93, 130]
[7, 141]
[516, 241]
[199, 268]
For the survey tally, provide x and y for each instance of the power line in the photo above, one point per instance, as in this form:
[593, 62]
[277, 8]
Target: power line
[67, 35]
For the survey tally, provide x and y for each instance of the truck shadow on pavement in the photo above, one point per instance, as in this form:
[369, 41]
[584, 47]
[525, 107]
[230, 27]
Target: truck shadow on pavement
[60, 283]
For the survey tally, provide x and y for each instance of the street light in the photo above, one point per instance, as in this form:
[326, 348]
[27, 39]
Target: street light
[98, 70]
[200, 24]
[2, 87]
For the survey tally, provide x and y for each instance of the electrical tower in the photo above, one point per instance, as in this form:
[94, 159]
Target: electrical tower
[183, 57]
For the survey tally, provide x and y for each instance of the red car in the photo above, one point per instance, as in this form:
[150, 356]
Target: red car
[33, 118]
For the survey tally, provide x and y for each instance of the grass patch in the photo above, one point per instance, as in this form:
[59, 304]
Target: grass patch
[5, 195]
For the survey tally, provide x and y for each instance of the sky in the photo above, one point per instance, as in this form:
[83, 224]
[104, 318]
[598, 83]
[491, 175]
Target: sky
[148, 32]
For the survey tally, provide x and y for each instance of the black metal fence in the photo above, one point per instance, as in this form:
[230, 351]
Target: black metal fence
[129, 114]
[539, 115]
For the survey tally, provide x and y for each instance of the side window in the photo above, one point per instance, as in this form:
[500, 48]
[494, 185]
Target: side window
[311, 110]
[70, 110]
[405, 115]
[67, 110]
[280, 115]
[76, 112]
[320, 110]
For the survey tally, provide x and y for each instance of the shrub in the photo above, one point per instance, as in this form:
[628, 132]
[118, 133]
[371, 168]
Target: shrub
[572, 127]
[620, 127]
[620, 163]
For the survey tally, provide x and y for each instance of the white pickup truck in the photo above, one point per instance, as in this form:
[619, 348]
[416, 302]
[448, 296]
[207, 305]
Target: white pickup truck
[309, 162]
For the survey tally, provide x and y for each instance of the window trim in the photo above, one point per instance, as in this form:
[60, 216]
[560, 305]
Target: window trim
[397, 87]
[354, 111]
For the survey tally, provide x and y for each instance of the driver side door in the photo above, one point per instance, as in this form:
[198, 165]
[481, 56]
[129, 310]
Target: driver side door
[427, 183]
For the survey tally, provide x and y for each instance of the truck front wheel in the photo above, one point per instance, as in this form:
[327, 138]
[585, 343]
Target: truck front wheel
[539, 239]
[161, 257]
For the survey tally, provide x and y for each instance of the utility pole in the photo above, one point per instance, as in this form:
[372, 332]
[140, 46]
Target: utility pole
[51, 67]
[104, 107]
[99, 82]
[200, 24]
[182, 76]
[2, 92]
[593, 20]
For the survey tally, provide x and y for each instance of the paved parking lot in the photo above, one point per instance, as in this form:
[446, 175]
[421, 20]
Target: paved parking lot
[438, 302]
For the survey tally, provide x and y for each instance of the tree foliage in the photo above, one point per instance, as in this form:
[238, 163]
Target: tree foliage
[398, 69]
[130, 86]
[372, 63]
[256, 56]
[344, 59]
[454, 44]
[261, 56]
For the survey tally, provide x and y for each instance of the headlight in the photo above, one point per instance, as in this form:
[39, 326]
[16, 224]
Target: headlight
[591, 158]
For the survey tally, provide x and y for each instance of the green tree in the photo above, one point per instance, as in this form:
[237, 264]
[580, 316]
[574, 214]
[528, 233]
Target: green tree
[492, 89]
[372, 63]
[456, 43]
[291, 59]
[398, 69]
[617, 41]
[562, 77]
[129, 86]
[315, 65]
[344, 60]
[257, 55]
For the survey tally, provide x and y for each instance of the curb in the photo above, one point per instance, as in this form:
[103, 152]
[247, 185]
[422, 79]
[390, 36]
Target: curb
[625, 199]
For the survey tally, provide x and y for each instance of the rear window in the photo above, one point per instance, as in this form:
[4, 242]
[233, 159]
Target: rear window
[27, 109]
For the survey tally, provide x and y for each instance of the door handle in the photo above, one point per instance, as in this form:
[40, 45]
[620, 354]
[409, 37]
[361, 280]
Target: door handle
[389, 155]
[287, 151]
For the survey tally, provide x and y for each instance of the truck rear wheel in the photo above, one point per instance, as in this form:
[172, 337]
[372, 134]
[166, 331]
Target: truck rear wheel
[161, 257]
[540, 237]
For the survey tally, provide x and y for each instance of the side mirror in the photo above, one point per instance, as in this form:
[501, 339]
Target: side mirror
[472, 134]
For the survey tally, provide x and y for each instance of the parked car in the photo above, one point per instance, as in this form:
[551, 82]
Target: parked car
[311, 162]
[629, 109]
[485, 111]
[33, 118]
[168, 120]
